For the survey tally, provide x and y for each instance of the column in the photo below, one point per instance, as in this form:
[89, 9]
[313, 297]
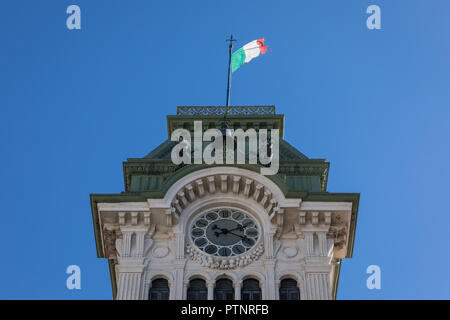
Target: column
[179, 254]
[129, 286]
[126, 243]
[269, 284]
[318, 286]
[179, 277]
[185, 289]
[302, 290]
[147, 286]
[277, 289]
[268, 243]
[140, 238]
[323, 244]
[134, 227]
[263, 287]
[210, 285]
[309, 240]
[237, 290]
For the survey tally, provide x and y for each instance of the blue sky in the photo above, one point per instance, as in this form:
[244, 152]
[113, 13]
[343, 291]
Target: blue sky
[76, 103]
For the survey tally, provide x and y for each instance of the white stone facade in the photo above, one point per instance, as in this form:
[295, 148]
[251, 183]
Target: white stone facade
[301, 240]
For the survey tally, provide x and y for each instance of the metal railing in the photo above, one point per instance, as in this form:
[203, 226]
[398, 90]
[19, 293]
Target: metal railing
[220, 110]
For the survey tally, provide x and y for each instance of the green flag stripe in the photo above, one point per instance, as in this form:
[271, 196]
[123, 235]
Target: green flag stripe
[237, 59]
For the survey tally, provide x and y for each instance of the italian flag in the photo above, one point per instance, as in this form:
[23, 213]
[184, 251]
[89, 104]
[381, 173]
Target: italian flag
[247, 53]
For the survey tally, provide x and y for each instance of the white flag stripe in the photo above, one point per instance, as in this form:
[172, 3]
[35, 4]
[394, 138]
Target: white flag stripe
[251, 50]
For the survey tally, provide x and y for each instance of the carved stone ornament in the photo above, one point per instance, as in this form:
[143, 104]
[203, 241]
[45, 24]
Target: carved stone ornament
[290, 252]
[110, 235]
[224, 262]
[160, 251]
[338, 234]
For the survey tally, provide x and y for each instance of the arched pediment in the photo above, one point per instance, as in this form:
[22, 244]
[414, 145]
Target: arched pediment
[192, 169]
[238, 182]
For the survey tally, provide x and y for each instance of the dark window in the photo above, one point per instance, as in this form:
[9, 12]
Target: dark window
[224, 290]
[250, 290]
[197, 290]
[289, 290]
[159, 290]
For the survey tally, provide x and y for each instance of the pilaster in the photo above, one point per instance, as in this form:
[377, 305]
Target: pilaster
[210, 285]
[180, 286]
[269, 265]
[237, 290]
[130, 281]
[134, 227]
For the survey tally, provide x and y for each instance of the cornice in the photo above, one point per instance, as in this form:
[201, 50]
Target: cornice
[171, 172]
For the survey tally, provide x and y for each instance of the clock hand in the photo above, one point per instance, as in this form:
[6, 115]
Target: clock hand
[241, 226]
[244, 237]
[225, 231]
[214, 227]
[222, 230]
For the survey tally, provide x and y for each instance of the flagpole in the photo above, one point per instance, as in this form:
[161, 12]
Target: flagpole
[229, 71]
[225, 120]
[230, 47]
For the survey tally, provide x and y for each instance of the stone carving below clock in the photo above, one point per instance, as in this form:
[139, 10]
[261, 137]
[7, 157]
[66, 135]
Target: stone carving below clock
[290, 252]
[224, 262]
[160, 251]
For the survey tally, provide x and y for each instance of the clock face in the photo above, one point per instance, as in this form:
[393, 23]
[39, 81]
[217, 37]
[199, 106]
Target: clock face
[224, 232]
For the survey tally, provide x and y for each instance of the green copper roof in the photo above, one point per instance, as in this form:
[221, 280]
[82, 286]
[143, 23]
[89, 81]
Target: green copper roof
[287, 151]
[154, 172]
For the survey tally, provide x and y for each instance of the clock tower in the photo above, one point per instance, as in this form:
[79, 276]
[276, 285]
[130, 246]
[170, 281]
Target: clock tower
[225, 231]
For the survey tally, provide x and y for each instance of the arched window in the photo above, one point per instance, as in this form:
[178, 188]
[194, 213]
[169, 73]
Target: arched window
[197, 290]
[289, 290]
[224, 290]
[159, 290]
[250, 290]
